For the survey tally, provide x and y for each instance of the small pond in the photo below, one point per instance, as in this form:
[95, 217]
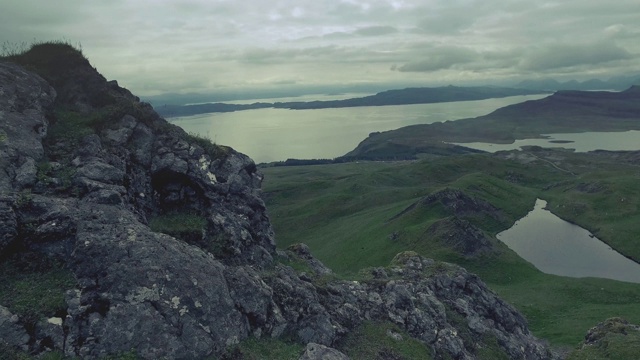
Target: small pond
[580, 142]
[555, 246]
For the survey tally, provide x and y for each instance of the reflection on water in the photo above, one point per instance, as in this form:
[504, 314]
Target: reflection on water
[278, 134]
[580, 142]
[557, 247]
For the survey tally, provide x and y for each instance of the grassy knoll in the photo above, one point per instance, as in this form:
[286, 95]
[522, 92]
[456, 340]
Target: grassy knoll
[353, 216]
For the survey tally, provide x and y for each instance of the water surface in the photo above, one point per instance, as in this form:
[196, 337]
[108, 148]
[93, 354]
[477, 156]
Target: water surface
[580, 142]
[279, 134]
[555, 246]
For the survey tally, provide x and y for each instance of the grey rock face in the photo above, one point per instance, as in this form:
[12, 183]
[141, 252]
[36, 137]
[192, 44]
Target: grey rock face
[26, 174]
[23, 99]
[8, 223]
[11, 332]
[147, 291]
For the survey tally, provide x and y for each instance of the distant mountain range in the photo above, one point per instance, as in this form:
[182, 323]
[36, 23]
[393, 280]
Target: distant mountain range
[422, 95]
[614, 83]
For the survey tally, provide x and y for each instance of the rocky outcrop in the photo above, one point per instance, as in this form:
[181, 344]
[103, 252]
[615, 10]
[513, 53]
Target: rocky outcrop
[457, 231]
[87, 202]
[455, 202]
[462, 236]
[440, 304]
[136, 289]
[614, 338]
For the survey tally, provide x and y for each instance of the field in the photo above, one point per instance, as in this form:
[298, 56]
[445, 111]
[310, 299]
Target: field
[357, 215]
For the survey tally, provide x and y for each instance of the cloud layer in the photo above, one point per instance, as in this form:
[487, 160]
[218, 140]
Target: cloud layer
[199, 45]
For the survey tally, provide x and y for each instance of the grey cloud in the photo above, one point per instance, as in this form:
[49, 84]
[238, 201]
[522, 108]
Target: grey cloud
[622, 32]
[170, 44]
[338, 35]
[376, 30]
[279, 56]
[439, 59]
[556, 56]
[330, 54]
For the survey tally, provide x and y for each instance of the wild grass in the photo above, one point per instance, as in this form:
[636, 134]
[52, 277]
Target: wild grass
[182, 225]
[612, 340]
[10, 49]
[265, 348]
[212, 149]
[33, 286]
[47, 58]
[374, 340]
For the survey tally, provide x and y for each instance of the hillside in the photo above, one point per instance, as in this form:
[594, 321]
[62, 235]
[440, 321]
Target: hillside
[122, 236]
[390, 97]
[359, 215]
[562, 112]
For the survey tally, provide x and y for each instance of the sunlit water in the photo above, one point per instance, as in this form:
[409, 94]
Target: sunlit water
[557, 247]
[279, 134]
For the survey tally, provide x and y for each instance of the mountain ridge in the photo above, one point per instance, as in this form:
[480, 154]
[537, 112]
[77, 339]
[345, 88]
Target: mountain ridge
[407, 96]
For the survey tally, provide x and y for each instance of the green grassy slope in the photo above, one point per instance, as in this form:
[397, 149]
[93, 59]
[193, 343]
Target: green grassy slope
[349, 215]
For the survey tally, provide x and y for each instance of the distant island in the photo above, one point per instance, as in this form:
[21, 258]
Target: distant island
[408, 96]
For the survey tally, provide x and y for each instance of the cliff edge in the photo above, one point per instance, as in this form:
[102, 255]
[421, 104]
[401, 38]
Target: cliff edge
[121, 233]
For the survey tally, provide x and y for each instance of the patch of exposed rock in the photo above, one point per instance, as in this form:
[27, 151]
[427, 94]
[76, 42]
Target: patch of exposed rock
[163, 297]
[462, 236]
[456, 231]
[455, 202]
[321, 352]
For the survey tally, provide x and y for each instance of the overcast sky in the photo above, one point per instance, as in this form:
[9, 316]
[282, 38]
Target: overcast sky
[161, 46]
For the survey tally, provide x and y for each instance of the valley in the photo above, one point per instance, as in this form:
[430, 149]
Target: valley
[359, 215]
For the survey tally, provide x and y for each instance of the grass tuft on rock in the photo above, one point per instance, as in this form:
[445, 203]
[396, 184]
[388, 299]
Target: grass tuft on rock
[48, 59]
[212, 149]
[265, 349]
[33, 286]
[373, 340]
[182, 225]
